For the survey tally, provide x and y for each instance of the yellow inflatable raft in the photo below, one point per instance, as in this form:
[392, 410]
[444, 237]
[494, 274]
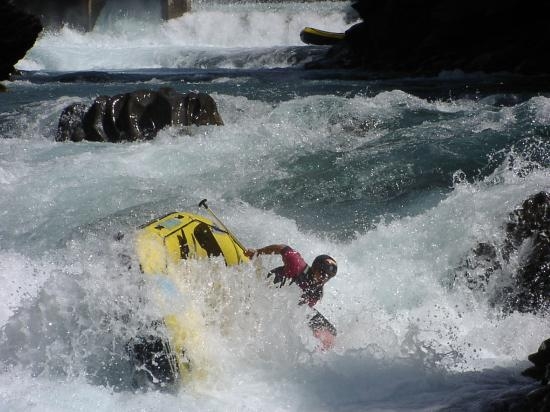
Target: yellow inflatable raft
[309, 35]
[162, 245]
[183, 235]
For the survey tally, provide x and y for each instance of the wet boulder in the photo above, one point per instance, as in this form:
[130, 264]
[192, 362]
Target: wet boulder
[526, 399]
[478, 267]
[541, 364]
[135, 116]
[537, 399]
[530, 220]
[527, 242]
[70, 123]
[528, 235]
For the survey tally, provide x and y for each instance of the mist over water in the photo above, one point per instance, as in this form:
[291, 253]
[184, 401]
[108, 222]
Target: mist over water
[398, 180]
[264, 34]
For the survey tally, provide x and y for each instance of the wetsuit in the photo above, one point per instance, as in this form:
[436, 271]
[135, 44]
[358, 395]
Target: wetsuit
[296, 269]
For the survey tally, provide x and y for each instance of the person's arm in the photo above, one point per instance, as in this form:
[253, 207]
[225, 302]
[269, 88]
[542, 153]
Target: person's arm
[323, 330]
[267, 250]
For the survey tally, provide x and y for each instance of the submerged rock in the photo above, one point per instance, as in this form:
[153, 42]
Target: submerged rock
[425, 37]
[135, 116]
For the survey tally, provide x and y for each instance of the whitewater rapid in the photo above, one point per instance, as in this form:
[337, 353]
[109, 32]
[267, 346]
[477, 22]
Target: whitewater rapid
[399, 186]
[392, 301]
[252, 35]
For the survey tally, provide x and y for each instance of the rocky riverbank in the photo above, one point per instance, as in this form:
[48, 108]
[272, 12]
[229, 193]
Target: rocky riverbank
[18, 32]
[426, 37]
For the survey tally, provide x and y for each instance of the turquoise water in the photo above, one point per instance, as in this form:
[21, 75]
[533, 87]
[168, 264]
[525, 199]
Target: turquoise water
[397, 179]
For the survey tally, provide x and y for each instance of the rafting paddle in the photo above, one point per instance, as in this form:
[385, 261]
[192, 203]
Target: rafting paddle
[203, 203]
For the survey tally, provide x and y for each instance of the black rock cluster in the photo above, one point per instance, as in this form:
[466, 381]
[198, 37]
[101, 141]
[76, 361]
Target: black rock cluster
[425, 37]
[526, 239]
[134, 116]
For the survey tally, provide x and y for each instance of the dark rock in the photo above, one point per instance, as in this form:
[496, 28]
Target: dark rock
[541, 361]
[542, 356]
[70, 123]
[527, 239]
[478, 268]
[529, 232]
[96, 119]
[18, 32]
[135, 116]
[532, 218]
[539, 399]
[522, 400]
[425, 37]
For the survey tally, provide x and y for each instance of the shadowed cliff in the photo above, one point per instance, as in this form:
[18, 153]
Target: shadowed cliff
[18, 32]
[429, 36]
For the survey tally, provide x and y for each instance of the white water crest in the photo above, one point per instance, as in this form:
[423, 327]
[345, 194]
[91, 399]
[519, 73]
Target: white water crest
[211, 35]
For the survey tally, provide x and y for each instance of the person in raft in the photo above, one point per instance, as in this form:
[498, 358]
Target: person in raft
[310, 279]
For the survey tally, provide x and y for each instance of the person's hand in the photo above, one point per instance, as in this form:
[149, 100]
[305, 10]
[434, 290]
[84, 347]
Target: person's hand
[249, 252]
[326, 338]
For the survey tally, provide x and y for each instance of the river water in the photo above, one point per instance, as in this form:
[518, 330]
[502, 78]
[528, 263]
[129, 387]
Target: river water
[397, 179]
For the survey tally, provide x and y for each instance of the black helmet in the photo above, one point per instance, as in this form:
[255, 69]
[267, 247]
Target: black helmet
[325, 264]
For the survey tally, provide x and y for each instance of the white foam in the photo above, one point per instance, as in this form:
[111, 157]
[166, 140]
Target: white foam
[212, 33]
[21, 279]
[404, 331]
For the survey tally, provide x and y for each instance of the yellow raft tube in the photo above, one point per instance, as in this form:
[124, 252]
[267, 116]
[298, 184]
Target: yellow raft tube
[161, 245]
[310, 35]
[183, 235]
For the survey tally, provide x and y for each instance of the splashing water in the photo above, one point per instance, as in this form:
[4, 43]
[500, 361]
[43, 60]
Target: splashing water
[397, 186]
